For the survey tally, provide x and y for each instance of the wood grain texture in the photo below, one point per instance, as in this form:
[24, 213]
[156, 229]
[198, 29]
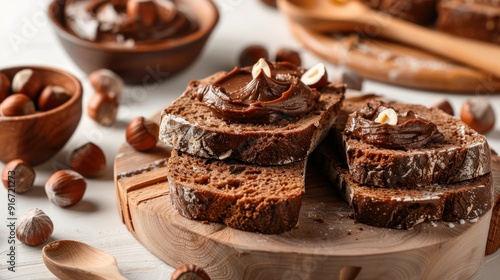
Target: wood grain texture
[394, 63]
[326, 242]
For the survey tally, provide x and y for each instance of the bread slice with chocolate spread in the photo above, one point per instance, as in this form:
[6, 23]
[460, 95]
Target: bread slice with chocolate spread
[405, 207]
[248, 197]
[190, 127]
[462, 155]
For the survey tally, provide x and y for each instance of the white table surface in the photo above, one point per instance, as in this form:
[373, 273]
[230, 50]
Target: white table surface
[27, 38]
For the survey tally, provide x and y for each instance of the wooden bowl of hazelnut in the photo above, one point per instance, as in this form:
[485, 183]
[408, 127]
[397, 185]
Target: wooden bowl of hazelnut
[143, 41]
[40, 108]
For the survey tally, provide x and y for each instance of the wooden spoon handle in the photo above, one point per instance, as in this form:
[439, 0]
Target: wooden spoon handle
[480, 55]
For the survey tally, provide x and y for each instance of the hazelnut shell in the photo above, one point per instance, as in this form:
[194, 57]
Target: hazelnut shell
[102, 108]
[27, 82]
[52, 97]
[142, 134]
[65, 188]
[477, 113]
[19, 174]
[251, 54]
[17, 104]
[4, 87]
[34, 227]
[88, 160]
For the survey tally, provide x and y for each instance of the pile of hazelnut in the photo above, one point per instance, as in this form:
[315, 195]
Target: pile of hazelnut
[64, 188]
[103, 104]
[27, 93]
[141, 133]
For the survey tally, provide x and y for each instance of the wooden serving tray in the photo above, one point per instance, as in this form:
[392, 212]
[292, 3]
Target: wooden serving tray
[326, 242]
[396, 64]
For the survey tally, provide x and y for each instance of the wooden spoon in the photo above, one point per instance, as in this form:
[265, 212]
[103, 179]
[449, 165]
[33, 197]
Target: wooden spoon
[69, 259]
[325, 16]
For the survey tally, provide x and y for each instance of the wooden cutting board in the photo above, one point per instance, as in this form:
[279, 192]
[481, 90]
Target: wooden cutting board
[326, 244]
[394, 63]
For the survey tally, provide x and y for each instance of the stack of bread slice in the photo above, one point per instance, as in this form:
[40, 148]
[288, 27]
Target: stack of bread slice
[249, 176]
[400, 188]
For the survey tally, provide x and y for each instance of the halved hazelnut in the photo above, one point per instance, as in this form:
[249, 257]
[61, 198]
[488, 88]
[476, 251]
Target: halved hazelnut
[17, 105]
[4, 86]
[143, 11]
[102, 108]
[88, 160]
[27, 82]
[263, 65]
[18, 176]
[388, 116]
[52, 97]
[65, 188]
[316, 76]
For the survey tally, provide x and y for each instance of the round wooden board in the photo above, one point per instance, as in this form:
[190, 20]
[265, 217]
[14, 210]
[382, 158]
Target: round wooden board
[326, 242]
[395, 64]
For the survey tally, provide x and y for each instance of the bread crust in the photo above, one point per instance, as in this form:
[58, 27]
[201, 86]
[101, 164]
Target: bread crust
[404, 208]
[464, 155]
[265, 199]
[189, 126]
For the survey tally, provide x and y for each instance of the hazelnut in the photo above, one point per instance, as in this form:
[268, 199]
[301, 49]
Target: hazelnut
[17, 104]
[106, 81]
[52, 97]
[316, 76]
[143, 11]
[65, 188]
[102, 108]
[189, 272]
[34, 228]
[445, 106]
[4, 86]
[263, 65]
[388, 116]
[477, 113]
[289, 55]
[27, 82]
[88, 160]
[251, 54]
[142, 134]
[18, 175]
[271, 3]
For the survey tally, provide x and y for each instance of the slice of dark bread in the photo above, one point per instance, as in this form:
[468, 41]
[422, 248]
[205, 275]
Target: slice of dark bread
[248, 197]
[191, 127]
[475, 19]
[404, 208]
[463, 155]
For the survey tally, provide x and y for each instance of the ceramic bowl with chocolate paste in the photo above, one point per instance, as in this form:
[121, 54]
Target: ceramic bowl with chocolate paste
[143, 41]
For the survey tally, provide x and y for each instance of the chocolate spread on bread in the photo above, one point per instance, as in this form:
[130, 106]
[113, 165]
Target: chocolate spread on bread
[238, 96]
[113, 22]
[410, 131]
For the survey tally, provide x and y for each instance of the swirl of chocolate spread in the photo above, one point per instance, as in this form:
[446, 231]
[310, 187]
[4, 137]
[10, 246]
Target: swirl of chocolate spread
[239, 97]
[127, 22]
[410, 131]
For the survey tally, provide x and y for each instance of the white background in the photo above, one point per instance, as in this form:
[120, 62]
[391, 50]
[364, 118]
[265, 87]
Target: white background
[27, 38]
